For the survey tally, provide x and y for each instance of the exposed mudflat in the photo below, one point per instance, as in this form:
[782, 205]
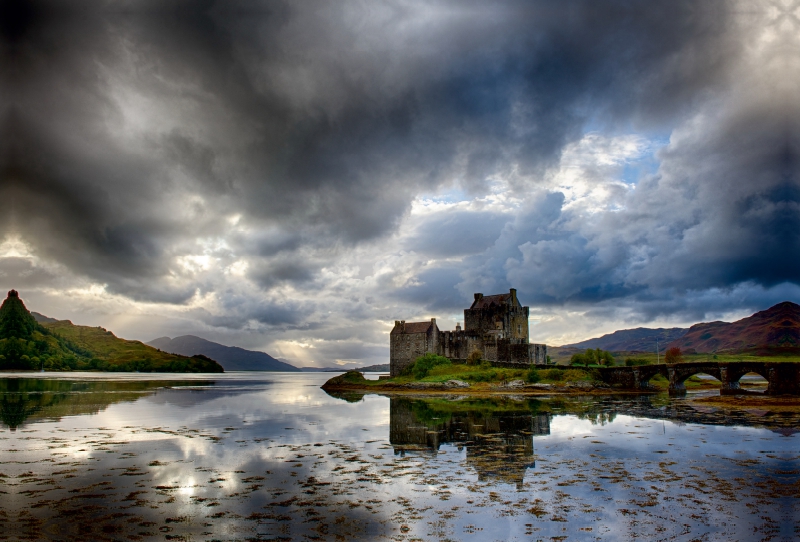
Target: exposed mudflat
[752, 402]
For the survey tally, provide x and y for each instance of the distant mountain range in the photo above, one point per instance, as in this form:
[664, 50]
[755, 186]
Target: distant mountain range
[42, 319]
[772, 331]
[232, 358]
[641, 339]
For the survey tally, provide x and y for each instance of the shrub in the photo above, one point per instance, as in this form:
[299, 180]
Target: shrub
[578, 359]
[487, 376]
[673, 355]
[571, 375]
[552, 374]
[423, 364]
[485, 365]
[474, 358]
[605, 358]
[532, 375]
[592, 357]
[633, 362]
[352, 377]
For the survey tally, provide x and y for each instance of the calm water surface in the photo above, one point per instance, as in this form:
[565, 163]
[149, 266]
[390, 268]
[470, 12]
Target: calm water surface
[270, 456]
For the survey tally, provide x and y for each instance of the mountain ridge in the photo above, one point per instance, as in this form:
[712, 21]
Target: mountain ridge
[232, 358]
[774, 330]
[640, 339]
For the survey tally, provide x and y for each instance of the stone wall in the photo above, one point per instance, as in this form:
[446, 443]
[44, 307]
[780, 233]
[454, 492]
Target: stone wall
[512, 321]
[406, 347]
[458, 345]
[538, 353]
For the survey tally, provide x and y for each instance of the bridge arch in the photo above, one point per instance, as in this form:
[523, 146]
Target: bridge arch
[643, 374]
[782, 377]
[736, 371]
[679, 372]
[733, 372]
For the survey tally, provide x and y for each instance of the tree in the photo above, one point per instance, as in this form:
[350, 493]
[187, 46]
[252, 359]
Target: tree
[592, 357]
[579, 359]
[673, 355]
[604, 357]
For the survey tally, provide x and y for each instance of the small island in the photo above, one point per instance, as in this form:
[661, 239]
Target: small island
[439, 375]
[436, 374]
[492, 354]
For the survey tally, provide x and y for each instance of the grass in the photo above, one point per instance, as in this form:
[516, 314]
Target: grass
[109, 351]
[693, 382]
[103, 344]
[493, 375]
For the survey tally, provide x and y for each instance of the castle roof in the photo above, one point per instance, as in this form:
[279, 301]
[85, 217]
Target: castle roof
[412, 327]
[486, 301]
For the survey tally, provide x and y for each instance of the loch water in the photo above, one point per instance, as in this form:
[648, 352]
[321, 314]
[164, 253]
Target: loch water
[270, 456]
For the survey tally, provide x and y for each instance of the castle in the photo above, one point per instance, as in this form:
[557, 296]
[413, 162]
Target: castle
[496, 326]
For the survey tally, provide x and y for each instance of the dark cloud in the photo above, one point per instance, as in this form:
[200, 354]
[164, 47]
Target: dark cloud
[284, 136]
[20, 271]
[278, 271]
[433, 290]
[723, 211]
[238, 312]
[456, 232]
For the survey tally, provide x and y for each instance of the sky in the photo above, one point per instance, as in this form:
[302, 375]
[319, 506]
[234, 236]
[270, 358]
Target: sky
[293, 177]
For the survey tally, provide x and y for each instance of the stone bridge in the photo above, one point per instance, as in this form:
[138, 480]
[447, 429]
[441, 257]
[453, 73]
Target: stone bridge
[783, 377]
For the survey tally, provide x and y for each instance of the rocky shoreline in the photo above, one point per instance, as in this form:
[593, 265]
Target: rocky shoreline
[354, 381]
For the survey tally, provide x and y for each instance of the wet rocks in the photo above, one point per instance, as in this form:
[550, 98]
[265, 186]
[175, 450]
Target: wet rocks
[538, 386]
[579, 385]
[423, 386]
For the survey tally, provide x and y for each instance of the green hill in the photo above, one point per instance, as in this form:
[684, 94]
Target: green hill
[61, 345]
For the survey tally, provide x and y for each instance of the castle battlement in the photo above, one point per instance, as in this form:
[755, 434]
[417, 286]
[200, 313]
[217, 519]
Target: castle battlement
[496, 326]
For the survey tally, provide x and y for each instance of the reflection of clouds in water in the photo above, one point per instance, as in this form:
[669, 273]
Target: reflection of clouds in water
[629, 436]
[564, 426]
[182, 449]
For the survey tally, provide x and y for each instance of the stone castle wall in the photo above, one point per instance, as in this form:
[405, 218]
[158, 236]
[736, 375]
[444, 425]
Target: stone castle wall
[512, 321]
[497, 328]
[404, 348]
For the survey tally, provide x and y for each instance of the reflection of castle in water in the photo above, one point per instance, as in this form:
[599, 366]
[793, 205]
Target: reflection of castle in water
[499, 445]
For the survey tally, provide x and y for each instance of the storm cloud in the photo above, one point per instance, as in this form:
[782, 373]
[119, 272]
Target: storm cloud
[295, 176]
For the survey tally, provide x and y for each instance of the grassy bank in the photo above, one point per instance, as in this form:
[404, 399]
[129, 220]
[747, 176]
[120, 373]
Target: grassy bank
[479, 378]
[477, 374]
